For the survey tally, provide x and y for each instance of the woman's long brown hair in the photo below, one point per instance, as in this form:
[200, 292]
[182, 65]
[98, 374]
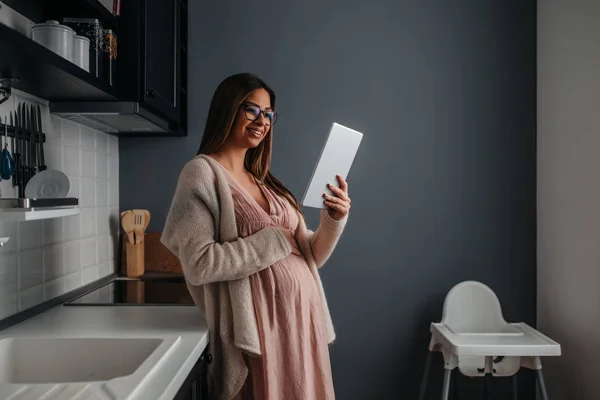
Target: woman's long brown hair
[226, 101]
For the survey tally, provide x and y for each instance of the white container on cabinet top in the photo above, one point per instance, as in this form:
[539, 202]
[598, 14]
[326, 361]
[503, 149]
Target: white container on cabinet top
[55, 37]
[81, 52]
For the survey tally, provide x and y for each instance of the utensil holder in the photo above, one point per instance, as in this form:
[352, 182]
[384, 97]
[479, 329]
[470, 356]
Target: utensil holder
[135, 259]
[135, 291]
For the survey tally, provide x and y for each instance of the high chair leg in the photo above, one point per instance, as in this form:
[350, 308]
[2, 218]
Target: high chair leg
[541, 384]
[446, 389]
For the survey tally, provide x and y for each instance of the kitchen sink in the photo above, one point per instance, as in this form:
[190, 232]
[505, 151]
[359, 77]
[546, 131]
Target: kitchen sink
[67, 360]
[80, 367]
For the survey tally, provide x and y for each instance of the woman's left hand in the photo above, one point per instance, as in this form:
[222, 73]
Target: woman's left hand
[338, 205]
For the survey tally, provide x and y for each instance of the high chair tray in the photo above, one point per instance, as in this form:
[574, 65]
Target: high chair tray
[529, 343]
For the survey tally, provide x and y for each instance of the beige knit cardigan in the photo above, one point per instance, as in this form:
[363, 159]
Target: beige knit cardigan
[201, 230]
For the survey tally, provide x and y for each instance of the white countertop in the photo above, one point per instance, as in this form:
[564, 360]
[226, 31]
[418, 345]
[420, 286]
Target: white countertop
[185, 322]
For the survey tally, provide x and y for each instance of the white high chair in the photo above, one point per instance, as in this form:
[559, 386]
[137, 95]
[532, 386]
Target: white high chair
[474, 337]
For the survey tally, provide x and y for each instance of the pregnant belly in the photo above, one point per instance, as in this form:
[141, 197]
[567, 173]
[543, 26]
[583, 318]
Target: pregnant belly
[288, 280]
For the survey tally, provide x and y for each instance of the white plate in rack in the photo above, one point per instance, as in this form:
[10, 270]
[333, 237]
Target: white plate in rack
[48, 184]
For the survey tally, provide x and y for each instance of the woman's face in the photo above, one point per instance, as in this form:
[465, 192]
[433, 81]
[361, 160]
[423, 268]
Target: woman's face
[251, 125]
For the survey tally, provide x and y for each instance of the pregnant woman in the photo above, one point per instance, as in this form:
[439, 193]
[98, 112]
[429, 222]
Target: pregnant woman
[249, 260]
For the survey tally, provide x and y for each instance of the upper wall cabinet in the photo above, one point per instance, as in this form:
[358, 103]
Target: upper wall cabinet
[141, 88]
[154, 48]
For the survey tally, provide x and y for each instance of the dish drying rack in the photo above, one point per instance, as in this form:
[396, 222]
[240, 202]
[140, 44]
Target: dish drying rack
[25, 209]
[37, 204]
[24, 128]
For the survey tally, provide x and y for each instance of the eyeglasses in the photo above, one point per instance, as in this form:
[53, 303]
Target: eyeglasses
[253, 111]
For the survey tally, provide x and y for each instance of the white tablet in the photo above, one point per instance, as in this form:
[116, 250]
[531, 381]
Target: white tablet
[336, 158]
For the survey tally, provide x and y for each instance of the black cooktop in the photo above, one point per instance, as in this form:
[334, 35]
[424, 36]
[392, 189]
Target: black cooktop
[134, 292]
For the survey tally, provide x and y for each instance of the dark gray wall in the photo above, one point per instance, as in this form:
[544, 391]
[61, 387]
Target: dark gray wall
[443, 187]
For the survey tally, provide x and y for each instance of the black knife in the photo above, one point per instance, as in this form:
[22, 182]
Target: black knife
[26, 156]
[14, 150]
[27, 146]
[33, 130]
[22, 149]
[18, 155]
[42, 160]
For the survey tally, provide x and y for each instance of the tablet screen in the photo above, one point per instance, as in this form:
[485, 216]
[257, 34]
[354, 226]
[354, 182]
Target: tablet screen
[336, 158]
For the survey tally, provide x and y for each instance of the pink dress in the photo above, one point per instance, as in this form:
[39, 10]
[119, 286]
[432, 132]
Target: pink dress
[295, 356]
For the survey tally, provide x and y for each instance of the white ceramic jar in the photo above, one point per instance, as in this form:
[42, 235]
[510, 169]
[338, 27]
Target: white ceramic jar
[81, 52]
[54, 36]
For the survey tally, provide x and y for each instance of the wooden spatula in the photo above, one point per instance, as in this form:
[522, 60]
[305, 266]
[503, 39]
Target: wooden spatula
[140, 225]
[128, 224]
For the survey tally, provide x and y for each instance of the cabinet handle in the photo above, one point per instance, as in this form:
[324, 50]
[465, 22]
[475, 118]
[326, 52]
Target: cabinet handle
[151, 93]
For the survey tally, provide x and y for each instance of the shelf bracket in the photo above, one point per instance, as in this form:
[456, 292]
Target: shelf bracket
[6, 85]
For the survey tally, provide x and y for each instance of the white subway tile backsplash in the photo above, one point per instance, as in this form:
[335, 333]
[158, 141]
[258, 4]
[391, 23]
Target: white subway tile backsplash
[105, 269]
[113, 145]
[30, 234]
[75, 187]
[89, 252]
[8, 304]
[73, 281]
[54, 288]
[53, 155]
[52, 231]
[88, 222]
[31, 297]
[101, 192]
[88, 137]
[102, 220]
[88, 163]
[88, 192]
[113, 167]
[70, 133]
[29, 268]
[44, 259]
[89, 275]
[6, 189]
[9, 230]
[113, 191]
[114, 220]
[103, 248]
[52, 126]
[8, 282]
[101, 142]
[71, 160]
[8, 274]
[72, 228]
[53, 262]
[72, 262]
[113, 246]
[101, 165]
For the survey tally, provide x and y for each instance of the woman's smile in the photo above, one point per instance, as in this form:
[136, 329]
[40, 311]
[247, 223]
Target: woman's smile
[256, 132]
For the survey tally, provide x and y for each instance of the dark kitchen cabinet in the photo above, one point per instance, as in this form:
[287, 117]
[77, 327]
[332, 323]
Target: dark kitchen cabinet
[161, 61]
[194, 387]
[149, 97]
[153, 47]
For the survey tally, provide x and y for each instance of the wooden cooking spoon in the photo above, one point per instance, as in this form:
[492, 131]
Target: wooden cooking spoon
[147, 219]
[128, 224]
